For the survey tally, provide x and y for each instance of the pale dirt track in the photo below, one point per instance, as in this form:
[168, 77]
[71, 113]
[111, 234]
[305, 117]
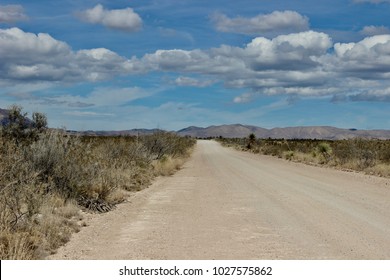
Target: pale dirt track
[226, 204]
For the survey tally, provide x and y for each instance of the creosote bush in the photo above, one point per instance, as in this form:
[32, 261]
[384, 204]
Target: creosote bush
[47, 176]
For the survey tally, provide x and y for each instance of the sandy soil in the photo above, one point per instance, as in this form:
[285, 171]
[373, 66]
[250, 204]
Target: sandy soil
[226, 204]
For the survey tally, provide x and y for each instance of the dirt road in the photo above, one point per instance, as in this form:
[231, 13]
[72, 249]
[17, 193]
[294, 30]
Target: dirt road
[226, 204]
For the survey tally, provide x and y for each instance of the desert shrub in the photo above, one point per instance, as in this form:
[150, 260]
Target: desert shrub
[344, 152]
[64, 164]
[251, 141]
[46, 175]
[366, 159]
[289, 155]
[20, 129]
[158, 144]
[325, 150]
[162, 144]
[385, 155]
[22, 195]
[361, 153]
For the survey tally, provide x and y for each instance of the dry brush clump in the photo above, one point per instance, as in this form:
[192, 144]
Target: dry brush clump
[368, 155]
[47, 177]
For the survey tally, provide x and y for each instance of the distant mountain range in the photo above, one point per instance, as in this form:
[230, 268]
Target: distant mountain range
[131, 132]
[239, 131]
[299, 132]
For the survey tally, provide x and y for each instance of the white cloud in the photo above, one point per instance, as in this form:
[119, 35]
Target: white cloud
[173, 33]
[276, 22]
[99, 97]
[29, 57]
[191, 82]
[371, 1]
[15, 43]
[243, 98]
[112, 96]
[293, 51]
[298, 64]
[368, 59]
[375, 30]
[87, 114]
[285, 52]
[121, 19]
[380, 95]
[12, 13]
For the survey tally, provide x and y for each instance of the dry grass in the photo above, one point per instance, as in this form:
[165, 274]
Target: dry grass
[167, 166]
[46, 181]
[17, 245]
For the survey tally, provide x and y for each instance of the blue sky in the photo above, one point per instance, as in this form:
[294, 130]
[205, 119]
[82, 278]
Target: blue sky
[115, 65]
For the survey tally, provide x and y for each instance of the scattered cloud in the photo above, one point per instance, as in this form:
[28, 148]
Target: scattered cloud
[372, 30]
[12, 13]
[87, 114]
[80, 104]
[173, 33]
[99, 97]
[121, 19]
[243, 98]
[376, 95]
[111, 96]
[191, 82]
[277, 22]
[371, 1]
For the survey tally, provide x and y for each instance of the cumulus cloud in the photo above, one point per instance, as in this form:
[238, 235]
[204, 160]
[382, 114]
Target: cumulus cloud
[298, 64]
[120, 19]
[12, 13]
[278, 53]
[263, 62]
[367, 59]
[374, 30]
[293, 51]
[276, 22]
[39, 57]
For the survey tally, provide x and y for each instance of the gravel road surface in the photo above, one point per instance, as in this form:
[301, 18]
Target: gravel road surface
[226, 204]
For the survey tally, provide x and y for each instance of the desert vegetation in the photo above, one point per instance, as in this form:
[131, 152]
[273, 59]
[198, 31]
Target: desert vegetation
[366, 155]
[49, 177]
